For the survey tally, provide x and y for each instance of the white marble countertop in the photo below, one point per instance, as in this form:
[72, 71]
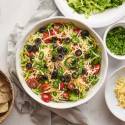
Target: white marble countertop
[16, 11]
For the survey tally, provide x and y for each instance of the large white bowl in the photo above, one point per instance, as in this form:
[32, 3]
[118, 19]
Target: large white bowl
[102, 19]
[92, 91]
[110, 97]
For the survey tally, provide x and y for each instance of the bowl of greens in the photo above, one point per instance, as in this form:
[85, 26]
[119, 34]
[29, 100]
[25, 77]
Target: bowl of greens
[95, 13]
[114, 39]
[61, 62]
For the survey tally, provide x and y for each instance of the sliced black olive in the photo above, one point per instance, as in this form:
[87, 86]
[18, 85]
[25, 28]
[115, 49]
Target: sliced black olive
[84, 33]
[67, 40]
[43, 77]
[67, 78]
[54, 39]
[54, 74]
[78, 52]
[34, 48]
[54, 58]
[60, 49]
[28, 66]
[29, 48]
[76, 91]
[75, 75]
[60, 57]
[42, 29]
[37, 41]
[84, 71]
[62, 78]
[87, 55]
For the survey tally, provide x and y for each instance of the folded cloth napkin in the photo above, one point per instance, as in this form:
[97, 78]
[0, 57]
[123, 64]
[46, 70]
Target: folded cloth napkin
[40, 115]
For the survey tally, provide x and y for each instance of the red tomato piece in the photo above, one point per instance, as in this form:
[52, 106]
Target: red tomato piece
[32, 83]
[46, 97]
[71, 86]
[44, 87]
[45, 37]
[96, 68]
[77, 30]
[66, 95]
[62, 86]
[53, 32]
[31, 54]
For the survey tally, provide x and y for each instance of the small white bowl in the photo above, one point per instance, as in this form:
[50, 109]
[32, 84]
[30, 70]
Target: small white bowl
[104, 39]
[110, 97]
[92, 91]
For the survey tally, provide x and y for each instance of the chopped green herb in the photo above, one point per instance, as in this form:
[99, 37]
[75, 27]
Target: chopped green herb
[115, 40]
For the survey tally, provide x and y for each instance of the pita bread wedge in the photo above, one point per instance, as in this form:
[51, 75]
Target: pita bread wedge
[4, 107]
[5, 89]
[4, 97]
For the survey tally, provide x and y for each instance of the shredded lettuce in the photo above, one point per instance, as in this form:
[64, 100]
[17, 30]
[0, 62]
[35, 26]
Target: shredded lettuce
[89, 7]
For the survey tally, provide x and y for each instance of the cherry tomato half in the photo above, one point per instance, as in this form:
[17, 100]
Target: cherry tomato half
[44, 87]
[66, 95]
[96, 68]
[46, 97]
[32, 83]
[62, 86]
[71, 86]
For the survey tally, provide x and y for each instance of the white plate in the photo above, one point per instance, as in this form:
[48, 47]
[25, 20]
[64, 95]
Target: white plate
[110, 97]
[99, 20]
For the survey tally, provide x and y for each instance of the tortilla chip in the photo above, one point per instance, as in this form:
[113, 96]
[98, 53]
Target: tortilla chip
[4, 97]
[1, 83]
[5, 89]
[4, 107]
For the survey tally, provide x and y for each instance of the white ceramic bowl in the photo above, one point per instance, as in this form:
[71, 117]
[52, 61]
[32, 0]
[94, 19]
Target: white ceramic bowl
[102, 19]
[110, 97]
[92, 91]
[104, 39]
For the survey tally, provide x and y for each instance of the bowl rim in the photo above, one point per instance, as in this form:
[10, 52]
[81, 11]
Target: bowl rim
[35, 97]
[13, 97]
[106, 100]
[118, 57]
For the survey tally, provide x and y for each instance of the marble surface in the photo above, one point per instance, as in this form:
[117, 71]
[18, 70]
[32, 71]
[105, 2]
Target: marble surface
[19, 11]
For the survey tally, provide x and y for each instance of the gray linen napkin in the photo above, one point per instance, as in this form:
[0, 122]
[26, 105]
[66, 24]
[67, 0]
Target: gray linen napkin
[40, 114]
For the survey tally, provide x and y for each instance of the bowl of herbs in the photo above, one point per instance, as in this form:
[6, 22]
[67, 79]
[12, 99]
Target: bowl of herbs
[114, 39]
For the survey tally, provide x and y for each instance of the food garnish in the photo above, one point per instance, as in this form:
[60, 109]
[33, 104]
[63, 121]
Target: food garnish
[115, 41]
